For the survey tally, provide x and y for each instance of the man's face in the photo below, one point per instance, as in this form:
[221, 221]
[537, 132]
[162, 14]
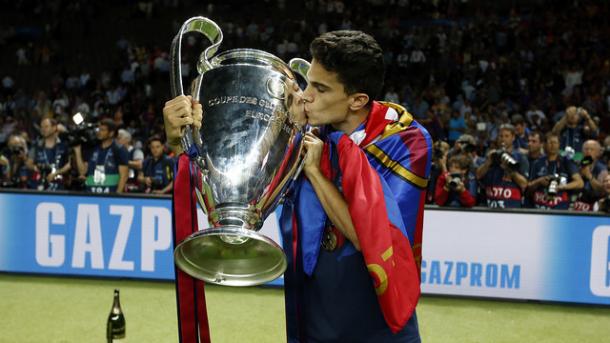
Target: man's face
[592, 148]
[520, 128]
[123, 140]
[533, 143]
[551, 147]
[325, 99]
[156, 149]
[103, 133]
[506, 138]
[47, 129]
[572, 115]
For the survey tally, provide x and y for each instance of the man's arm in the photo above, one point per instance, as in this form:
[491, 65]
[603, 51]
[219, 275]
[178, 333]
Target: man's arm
[166, 189]
[123, 175]
[484, 168]
[576, 183]
[80, 164]
[561, 124]
[332, 200]
[590, 122]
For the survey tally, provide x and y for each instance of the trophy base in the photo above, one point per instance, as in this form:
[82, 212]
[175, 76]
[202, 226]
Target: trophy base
[230, 256]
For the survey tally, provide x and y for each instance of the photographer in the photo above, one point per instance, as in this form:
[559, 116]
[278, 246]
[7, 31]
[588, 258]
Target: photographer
[440, 151]
[158, 170]
[603, 205]
[106, 169]
[450, 187]
[49, 158]
[574, 127]
[504, 173]
[593, 172]
[553, 176]
[17, 154]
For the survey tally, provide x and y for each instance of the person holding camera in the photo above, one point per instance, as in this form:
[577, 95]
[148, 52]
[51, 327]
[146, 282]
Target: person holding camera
[49, 158]
[157, 173]
[504, 173]
[19, 176]
[453, 189]
[106, 170]
[136, 158]
[553, 177]
[593, 172]
[574, 127]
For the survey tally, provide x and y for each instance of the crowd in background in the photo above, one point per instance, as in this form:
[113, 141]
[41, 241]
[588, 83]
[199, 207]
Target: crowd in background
[516, 95]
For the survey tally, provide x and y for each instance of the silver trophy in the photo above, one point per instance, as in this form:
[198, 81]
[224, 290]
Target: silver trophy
[248, 150]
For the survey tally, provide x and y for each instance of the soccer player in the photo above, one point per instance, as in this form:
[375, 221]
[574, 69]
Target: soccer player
[355, 217]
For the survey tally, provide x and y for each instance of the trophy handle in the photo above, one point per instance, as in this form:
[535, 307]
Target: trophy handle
[300, 66]
[212, 32]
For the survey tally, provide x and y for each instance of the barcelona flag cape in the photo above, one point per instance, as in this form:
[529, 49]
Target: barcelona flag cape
[384, 164]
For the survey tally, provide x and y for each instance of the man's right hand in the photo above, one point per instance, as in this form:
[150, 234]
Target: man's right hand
[179, 112]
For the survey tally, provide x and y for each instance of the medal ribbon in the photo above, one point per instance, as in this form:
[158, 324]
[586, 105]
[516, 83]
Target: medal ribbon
[193, 324]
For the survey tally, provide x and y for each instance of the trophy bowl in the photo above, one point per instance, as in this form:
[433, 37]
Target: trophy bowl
[248, 151]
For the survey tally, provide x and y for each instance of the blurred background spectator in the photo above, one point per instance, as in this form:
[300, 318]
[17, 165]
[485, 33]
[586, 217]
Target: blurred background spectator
[461, 67]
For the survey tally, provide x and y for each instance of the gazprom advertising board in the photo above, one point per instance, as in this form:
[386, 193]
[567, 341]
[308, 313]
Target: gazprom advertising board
[515, 255]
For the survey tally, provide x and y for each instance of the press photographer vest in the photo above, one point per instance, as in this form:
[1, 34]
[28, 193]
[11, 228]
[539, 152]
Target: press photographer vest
[543, 167]
[103, 168]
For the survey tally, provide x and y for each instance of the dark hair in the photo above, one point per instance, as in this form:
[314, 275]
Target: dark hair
[462, 161]
[110, 124]
[154, 138]
[508, 127]
[356, 58]
[539, 134]
[549, 135]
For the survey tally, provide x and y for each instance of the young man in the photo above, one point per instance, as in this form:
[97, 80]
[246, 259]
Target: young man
[157, 172]
[553, 177]
[504, 172]
[356, 215]
[106, 169]
[50, 157]
[454, 188]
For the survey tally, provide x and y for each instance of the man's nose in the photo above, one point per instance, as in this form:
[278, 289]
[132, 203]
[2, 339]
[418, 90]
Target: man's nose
[307, 94]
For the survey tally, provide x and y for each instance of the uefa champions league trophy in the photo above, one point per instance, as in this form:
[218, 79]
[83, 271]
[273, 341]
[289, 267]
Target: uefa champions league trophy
[248, 150]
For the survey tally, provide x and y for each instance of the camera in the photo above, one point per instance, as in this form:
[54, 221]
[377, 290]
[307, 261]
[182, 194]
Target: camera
[454, 180]
[83, 134]
[587, 160]
[555, 181]
[502, 155]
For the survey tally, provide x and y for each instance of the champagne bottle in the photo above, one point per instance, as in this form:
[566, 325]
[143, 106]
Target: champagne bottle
[115, 327]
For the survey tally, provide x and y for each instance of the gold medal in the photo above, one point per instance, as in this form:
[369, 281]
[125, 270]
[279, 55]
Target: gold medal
[329, 243]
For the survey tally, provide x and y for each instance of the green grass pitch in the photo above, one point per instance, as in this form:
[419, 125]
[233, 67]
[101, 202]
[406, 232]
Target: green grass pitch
[61, 309]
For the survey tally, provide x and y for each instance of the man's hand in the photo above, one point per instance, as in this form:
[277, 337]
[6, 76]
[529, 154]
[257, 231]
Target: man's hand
[51, 177]
[148, 181]
[313, 147]
[179, 112]
[586, 173]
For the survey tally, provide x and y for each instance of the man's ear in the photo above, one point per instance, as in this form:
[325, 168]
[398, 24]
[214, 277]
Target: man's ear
[358, 101]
